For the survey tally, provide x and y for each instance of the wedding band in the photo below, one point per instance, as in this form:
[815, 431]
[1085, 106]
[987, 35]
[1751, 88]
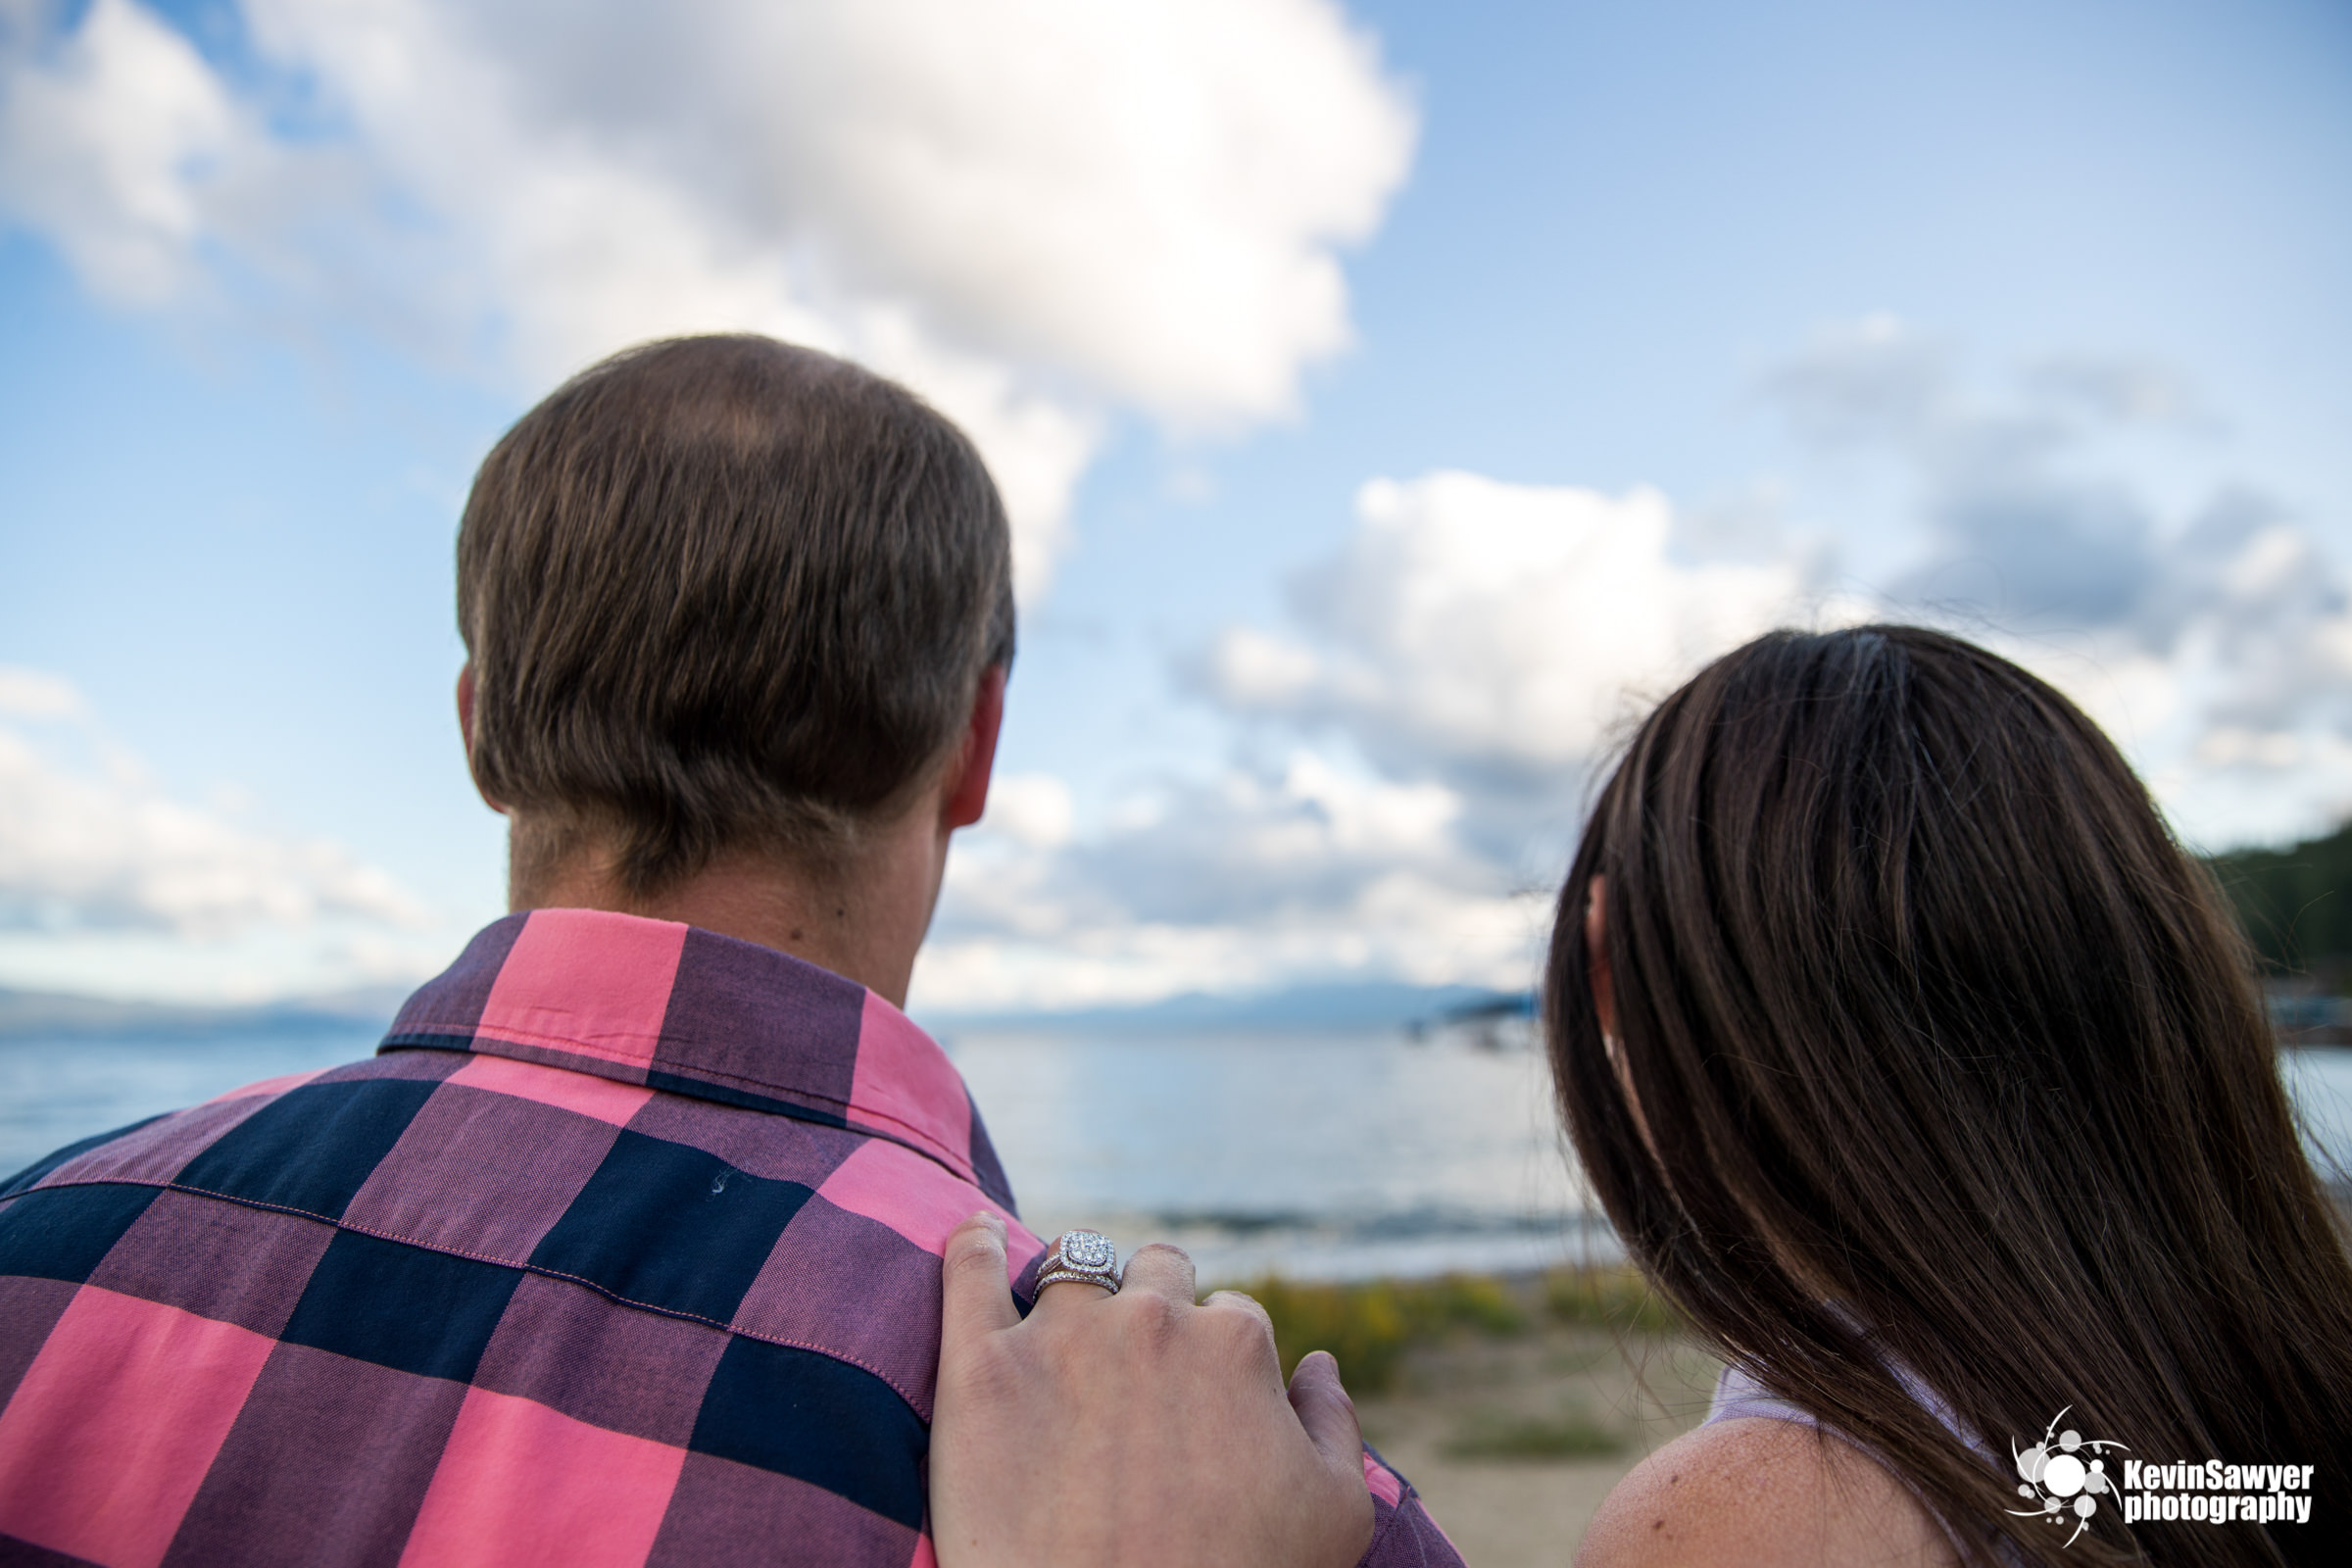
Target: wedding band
[1081, 1257]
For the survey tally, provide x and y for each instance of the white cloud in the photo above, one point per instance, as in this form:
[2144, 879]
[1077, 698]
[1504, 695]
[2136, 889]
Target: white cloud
[1033, 211]
[1245, 880]
[2125, 389]
[106, 141]
[1401, 929]
[88, 843]
[2207, 629]
[1492, 634]
[1448, 681]
[36, 693]
[1450, 678]
[1031, 809]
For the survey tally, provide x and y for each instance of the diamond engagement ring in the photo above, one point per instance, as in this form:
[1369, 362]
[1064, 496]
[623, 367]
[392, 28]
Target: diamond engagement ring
[1081, 1257]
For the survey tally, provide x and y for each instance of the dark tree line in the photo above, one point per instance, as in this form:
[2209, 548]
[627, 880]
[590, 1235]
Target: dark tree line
[2296, 904]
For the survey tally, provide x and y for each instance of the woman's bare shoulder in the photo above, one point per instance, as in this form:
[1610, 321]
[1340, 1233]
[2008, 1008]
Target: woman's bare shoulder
[1761, 1494]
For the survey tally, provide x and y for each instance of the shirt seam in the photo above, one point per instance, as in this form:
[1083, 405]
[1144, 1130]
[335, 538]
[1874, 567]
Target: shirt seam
[1396, 1514]
[897, 1132]
[529, 1037]
[525, 1037]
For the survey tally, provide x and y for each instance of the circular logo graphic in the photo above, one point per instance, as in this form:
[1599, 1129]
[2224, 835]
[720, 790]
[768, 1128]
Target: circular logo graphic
[2059, 1478]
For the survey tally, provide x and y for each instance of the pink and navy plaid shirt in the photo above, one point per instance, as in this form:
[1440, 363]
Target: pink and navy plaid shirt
[623, 1250]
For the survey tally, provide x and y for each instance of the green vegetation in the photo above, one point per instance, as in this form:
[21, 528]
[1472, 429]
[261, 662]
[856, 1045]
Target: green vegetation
[1615, 1298]
[2296, 904]
[1571, 1435]
[1370, 1326]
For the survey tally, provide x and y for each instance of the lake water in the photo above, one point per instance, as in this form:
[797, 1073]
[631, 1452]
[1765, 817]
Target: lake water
[1319, 1154]
[1336, 1155]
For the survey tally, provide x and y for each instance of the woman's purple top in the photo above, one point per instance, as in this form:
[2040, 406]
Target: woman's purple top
[1738, 1396]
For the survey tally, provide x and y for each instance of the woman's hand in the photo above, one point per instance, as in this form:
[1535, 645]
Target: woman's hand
[1135, 1428]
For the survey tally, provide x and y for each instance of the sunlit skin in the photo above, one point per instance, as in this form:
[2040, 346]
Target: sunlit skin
[865, 920]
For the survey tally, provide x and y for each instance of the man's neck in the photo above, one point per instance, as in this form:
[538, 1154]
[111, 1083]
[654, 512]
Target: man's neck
[863, 922]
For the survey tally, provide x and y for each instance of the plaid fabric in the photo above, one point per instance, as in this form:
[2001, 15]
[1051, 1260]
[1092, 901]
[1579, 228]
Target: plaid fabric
[623, 1250]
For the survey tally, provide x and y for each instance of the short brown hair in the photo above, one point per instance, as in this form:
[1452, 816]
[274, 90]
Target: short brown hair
[722, 592]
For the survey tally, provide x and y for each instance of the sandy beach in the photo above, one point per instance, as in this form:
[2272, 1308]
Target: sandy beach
[1515, 1403]
[1508, 1510]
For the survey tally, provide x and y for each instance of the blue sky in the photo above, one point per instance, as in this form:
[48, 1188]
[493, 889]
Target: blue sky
[1392, 395]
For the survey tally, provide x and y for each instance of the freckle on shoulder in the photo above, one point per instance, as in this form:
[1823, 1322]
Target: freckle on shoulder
[1761, 1494]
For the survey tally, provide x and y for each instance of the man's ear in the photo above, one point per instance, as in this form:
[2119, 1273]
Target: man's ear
[968, 787]
[465, 706]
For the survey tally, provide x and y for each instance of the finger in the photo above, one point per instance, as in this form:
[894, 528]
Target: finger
[1241, 1302]
[975, 1297]
[1328, 1414]
[1160, 1270]
[1064, 1293]
[1238, 1303]
[1067, 1295]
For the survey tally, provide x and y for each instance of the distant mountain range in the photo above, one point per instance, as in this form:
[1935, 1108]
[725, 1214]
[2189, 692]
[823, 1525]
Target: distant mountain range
[1366, 1004]
[1370, 1005]
[2295, 903]
[52, 1015]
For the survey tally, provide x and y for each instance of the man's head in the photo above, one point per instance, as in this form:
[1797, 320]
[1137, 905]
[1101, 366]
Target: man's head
[722, 594]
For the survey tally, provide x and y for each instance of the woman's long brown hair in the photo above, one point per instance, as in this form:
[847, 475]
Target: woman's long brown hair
[1950, 1061]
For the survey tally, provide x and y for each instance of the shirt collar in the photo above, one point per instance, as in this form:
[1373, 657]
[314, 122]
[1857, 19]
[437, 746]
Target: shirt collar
[679, 1009]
